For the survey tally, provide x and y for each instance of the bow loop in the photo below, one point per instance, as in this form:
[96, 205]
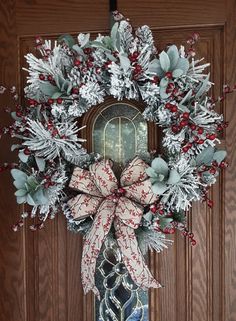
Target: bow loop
[135, 172]
[104, 177]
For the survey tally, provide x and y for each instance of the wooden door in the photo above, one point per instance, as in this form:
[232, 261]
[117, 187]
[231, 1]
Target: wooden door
[40, 272]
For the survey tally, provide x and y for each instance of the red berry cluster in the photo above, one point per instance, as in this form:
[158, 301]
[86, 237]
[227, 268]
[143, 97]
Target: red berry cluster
[48, 181]
[190, 236]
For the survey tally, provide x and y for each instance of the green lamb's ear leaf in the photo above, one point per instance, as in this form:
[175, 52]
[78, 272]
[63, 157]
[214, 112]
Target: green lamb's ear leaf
[40, 198]
[159, 188]
[13, 115]
[48, 89]
[173, 54]
[19, 184]
[160, 166]
[174, 177]
[164, 83]
[79, 50]
[183, 64]
[148, 216]
[21, 192]
[40, 163]
[83, 39]
[163, 93]
[206, 156]
[67, 39]
[219, 156]
[21, 199]
[24, 158]
[155, 68]
[110, 57]
[177, 73]
[18, 175]
[30, 200]
[56, 95]
[124, 62]
[165, 221]
[164, 61]
[15, 146]
[151, 172]
[114, 32]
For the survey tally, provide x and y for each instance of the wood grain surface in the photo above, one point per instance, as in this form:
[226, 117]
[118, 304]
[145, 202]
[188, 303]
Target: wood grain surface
[40, 272]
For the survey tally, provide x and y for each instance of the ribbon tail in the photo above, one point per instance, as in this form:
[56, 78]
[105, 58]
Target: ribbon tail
[133, 258]
[93, 243]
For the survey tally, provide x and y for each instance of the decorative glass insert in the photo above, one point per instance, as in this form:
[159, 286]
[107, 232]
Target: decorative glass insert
[119, 132]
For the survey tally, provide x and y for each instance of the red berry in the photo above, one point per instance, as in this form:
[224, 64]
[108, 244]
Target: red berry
[185, 115]
[200, 141]
[54, 132]
[161, 212]
[193, 242]
[169, 231]
[153, 209]
[18, 113]
[27, 151]
[91, 59]
[138, 69]
[59, 100]
[196, 138]
[31, 102]
[75, 91]
[212, 170]
[135, 54]
[174, 109]
[185, 149]
[41, 77]
[155, 80]
[210, 203]
[121, 190]
[170, 88]
[183, 123]
[212, 136]
[98, 70]
[214, 163]
[168, 74]
[87, 51]
[77, 63]
[224, 164]
[193, 126]
[174, 128]
[200, 130]
[168, 105]
[50, 101]
[89, 64]
[49, 78]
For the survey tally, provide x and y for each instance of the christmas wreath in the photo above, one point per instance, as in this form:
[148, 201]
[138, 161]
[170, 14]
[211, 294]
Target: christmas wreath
[151, 198]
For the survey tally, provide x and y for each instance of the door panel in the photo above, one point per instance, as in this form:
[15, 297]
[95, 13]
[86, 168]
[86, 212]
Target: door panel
[40, 272]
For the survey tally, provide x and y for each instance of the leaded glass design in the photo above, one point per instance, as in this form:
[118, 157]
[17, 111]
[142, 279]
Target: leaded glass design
[120, 133]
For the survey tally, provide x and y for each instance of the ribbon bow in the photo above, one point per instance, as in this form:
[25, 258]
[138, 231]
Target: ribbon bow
[122, 206]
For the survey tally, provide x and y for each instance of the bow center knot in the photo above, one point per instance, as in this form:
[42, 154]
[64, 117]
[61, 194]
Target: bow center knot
[116, 194]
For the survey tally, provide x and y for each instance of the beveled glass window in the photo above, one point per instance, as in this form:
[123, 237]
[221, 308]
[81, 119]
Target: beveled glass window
[120, 133]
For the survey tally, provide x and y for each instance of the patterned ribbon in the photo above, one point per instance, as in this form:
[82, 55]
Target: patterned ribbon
[123, 206]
